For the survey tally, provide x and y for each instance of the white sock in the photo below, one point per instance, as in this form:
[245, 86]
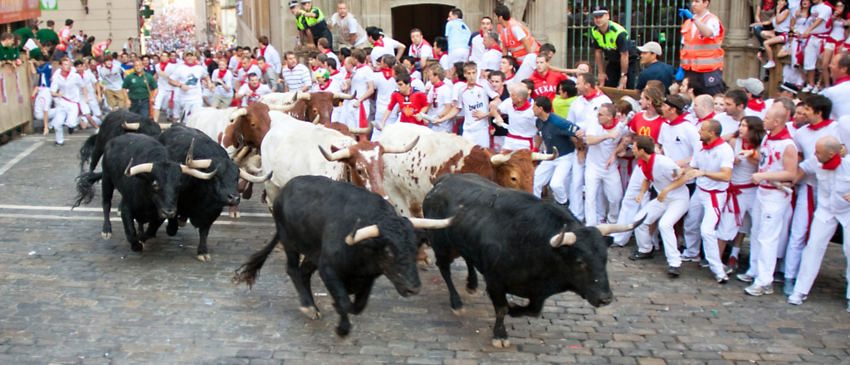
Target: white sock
[735, 251]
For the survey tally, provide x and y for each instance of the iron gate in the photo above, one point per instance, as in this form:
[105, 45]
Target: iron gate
[646, 20]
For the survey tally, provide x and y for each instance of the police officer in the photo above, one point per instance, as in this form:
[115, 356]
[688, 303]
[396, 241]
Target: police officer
[612, 40]
[312, 21]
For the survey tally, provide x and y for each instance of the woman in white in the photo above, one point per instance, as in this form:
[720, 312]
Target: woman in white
[779, 35]
[832, 44]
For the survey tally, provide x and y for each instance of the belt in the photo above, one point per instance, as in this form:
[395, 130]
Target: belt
[811, 209]
[148, 99]
[732, 194]
[171, 100]
[80, 110]
[714, 203]
[528, 139]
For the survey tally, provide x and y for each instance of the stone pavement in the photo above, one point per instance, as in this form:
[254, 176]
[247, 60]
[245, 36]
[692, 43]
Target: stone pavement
[69, 297]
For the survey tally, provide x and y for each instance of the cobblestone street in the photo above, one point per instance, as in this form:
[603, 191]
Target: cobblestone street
[69, 297]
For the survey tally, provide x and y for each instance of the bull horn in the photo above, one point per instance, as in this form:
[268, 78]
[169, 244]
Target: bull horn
[375, 125]
[303, 96]
[361, 130]
[192, 162]
[281, 108]
[403, 149]
[316, 119]
[241, 154]
[424, 223]
[535, 156]
[254, 179]
[499, 159]
[343, 96]
[254, 165]
[364, 233]
[197, 173]
[336, 156]
[241, 112]
[131, 126]
[608, 229]
[164, 125]
[563, 238]
[138, 169]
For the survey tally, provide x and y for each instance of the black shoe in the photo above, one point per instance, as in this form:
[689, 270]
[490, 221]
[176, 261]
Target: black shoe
[640, 255]
[57, 144]
[673, 272]
[70, 130]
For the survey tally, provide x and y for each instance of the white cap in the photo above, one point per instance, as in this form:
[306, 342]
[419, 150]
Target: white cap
[653, 47]
[753, 85]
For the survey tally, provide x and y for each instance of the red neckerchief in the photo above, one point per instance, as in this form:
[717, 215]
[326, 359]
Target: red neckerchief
[419, 48]
[162, 66]
[481, 33]
[174, 62]
[646, 167]
[253, 88]
[191, 64]
[593, 95]
[327, 51]
[746, 146]
[496, 48]
[378, 43]
[524, 107]
[327, 85]
[611, 126]
[441, 83]
[508, 78]
[263, 51]
[708, 146]
[843, 79]
[65, 75]
[833, 162]
[820, 125]
[314, 68]
[756, 104]
[207, 62]
[221, 74]
[784, 134]
[707, 117]
[334, 73]
[388, 73]
[679, 120]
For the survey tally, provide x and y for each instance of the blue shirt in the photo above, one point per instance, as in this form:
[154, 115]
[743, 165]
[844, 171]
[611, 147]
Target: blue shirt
[656, 71]
[556, 132]
[458, 34]
[45, 72]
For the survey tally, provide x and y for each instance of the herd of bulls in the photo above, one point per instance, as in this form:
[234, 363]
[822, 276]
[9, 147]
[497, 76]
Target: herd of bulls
[350, 208]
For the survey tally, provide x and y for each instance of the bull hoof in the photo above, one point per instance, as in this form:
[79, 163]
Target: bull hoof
[235, 215]
[501, 343]
[311, 313]
[423, 262]
[137, 246]
[181, 223]
[459, 312]
[471, 291]
[106, 235]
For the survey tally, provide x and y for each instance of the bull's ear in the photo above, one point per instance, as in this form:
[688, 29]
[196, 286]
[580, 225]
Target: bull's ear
[334, 148]
[608, 240]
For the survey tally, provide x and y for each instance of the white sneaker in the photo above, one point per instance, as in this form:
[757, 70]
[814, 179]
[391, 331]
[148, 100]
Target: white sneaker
[756, 290]
[815, 89]
[769, 65]
[745, 278]
[796, 298]
[807, 89]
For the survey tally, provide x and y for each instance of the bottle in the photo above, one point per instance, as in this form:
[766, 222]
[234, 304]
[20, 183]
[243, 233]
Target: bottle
[298, 41]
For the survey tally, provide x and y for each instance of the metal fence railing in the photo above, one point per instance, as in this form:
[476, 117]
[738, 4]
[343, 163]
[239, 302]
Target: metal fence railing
[646, 20]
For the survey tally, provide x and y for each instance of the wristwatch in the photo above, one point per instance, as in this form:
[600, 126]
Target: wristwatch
[622, 74]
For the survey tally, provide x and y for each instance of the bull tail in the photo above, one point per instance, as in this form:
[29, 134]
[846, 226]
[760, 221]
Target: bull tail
[87, 150]
[85, 187]
[247, 273]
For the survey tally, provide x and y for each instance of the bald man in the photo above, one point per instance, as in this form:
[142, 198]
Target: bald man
[832, 173]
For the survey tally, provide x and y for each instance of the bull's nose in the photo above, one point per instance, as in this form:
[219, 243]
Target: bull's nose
[168, 213]
[411, 291]
[605, 300]
[233, 199]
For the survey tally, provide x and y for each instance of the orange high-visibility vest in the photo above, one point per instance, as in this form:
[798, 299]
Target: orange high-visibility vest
[63, 42]
[98, 49]
[698, 53]
[514, 45]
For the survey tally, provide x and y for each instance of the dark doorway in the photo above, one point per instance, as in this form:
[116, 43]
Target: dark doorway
[429, 18]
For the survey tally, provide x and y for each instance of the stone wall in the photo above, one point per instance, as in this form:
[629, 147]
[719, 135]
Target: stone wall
[106, 18]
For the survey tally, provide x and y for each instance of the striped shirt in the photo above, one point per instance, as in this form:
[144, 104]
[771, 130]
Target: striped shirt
[297, 77]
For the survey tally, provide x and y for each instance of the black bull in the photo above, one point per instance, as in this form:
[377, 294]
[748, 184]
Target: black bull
[523, 246]
[115, 124]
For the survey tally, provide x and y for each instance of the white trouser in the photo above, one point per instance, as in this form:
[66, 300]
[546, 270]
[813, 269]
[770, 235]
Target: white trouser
[577, 188]
[164, 98]
[480, 135]
[352, 119]
[612, 188]
[812, 53]
[625, 167]
[630, 207]
[705, 211]
[556, 173]
[800, 224]
[731, 223]
[39, 113]
[768, 215]
[783, 236]
[67, 114]
[516, 144]
[499, 143]
[528, 66]
[814, 251]
[667, 214]
[337, 114]
[390, 121]
[43, 101]
[94, 107]
[458, 55]
[190, 107]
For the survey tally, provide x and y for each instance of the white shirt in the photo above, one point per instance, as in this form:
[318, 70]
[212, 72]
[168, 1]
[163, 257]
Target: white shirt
[360, 81]
[824, 12]
[838, 95]
[251, 96]
[490, 60]
[785, 25]
[191, 76]
[162, 82]
[445, 62]
[832, 186]
[272, 58]
[418, 85]
[422, 51]
[744, 170]
[663, 168]
[771, 154]
[522, 122]
[70, 86]
[713, 24]
[438, 98]
[233, 63]
[242, 76]
[384, 88]
[334, 57]
[583, 111]
[713, 160]
[727, 124]
[387, 49]
[679, 141]
[477, 48]
[352, 27]
[598, 154]
[89, 80]
[471, 100]
[296, 77]
[112, 79]
[806, 137]
[227, 80]
[339, 76]
[331, 87]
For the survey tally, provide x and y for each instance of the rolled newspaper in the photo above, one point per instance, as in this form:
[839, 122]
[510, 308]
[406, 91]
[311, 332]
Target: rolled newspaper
[427, 117]
[779, 186]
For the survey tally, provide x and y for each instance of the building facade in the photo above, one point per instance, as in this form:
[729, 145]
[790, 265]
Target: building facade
[118, 20]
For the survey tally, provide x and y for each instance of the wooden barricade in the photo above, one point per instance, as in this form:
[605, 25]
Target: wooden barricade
[15, 101]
